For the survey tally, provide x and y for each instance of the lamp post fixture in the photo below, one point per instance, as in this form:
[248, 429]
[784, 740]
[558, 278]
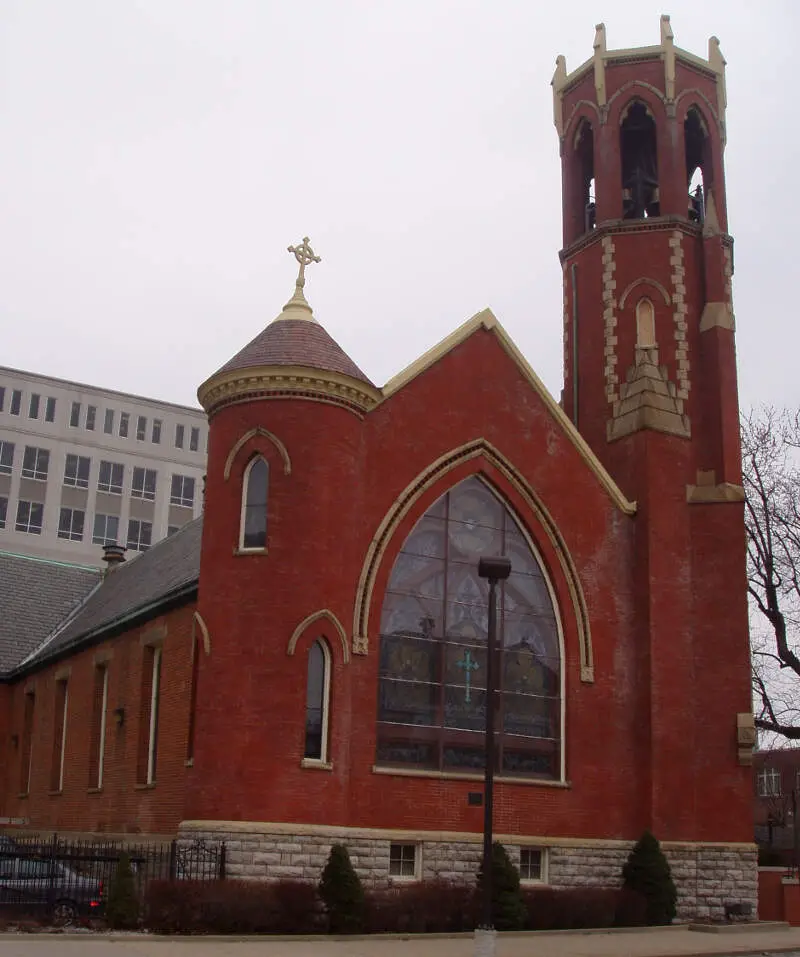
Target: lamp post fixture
[495, 570]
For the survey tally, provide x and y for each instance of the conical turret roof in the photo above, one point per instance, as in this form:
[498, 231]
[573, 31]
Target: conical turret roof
[289, 354]
[295, 342]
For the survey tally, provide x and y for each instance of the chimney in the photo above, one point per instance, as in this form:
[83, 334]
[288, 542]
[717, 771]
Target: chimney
[113, 555]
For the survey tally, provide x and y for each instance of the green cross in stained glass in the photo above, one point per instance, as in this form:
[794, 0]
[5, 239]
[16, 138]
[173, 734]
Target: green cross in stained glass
[468, 665]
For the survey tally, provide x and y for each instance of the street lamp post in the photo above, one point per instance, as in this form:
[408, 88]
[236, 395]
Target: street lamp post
[495, 570]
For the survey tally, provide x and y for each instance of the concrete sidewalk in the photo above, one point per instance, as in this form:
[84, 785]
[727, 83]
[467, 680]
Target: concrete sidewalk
[662, 942]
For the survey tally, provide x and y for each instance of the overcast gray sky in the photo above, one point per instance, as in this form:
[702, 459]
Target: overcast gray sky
[158, 156]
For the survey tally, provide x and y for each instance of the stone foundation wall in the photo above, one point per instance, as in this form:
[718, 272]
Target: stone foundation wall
[707, 876]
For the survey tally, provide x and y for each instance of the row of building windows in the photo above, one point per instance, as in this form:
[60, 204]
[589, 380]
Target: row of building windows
[405, 862]
[405, 859]
[147, 757]
[34, 404]
[72, 525]
[111, 475]
[87, 418]
[769, 782]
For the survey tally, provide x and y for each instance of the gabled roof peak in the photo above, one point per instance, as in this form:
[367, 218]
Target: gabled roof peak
[487, 321]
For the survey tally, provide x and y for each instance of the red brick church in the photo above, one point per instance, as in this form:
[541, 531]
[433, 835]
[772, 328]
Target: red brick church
[305, 664]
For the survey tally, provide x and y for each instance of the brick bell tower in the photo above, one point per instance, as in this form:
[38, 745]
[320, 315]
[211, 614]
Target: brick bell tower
[650, 382]
[647, 260]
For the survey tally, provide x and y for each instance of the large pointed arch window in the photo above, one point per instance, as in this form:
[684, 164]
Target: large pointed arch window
[432, 687]
[253, 532]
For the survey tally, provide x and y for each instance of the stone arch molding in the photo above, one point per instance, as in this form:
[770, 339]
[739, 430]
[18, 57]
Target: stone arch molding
[573, 117]
[633, 85]
[251, 434]
[199, 623]
[317, 616]
[707, 104]
[639, 282]
[478, 448]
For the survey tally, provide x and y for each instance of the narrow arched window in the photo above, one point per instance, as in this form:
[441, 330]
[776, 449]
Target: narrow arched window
[253, 532]
[196, 648]
[698, 163]
[317, 698]
[584, 151]
[645, 324]
[432, 668]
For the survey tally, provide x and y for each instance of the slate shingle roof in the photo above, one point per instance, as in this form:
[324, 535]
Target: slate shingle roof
[48, 607]
[35, 596]
[168, 569]
[295, 342]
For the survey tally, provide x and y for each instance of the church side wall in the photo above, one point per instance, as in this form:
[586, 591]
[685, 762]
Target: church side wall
[125, 804]
[722, 662]
[707, 876]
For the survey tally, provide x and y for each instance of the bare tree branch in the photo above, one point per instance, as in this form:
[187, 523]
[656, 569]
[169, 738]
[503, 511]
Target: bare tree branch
[771, 479]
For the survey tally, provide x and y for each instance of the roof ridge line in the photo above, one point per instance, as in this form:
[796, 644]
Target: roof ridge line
[59, 627]
[52, 561]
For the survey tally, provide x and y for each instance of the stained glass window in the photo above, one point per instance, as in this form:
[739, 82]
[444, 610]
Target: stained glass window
[254, 505]
[432, 686]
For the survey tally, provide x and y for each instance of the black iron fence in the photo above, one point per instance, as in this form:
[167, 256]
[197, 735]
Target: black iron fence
[69, 878]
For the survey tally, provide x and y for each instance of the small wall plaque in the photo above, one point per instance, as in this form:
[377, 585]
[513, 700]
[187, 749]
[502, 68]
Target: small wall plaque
[475, 798]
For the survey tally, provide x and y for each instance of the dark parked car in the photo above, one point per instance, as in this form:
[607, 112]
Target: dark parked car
[35, 884]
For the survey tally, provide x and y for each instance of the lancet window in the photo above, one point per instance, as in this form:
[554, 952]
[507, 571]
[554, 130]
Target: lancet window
[317, 701]
[584, 149]
[698, 164]
[255, 488]
[645, 324]
[433, 646]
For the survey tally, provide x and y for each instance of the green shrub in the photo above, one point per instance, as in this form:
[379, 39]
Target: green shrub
[342, 893]
[508, 908]
[122, 905]
[647, 872]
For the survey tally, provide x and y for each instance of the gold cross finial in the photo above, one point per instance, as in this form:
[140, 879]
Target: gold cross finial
[304, 254]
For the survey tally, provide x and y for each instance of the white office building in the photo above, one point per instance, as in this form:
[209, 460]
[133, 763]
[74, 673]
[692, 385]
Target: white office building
[81, 467]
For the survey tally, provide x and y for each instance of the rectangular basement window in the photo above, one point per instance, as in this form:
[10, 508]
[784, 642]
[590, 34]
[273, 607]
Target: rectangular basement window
[530, 864]
[403, 862]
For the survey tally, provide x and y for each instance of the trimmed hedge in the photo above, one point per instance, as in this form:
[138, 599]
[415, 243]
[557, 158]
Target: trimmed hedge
[426, 908]
[233, 907]
[294, 907]
[579, 908]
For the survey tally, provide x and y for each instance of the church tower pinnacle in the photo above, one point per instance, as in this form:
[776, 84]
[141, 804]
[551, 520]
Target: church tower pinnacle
[298, 304]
